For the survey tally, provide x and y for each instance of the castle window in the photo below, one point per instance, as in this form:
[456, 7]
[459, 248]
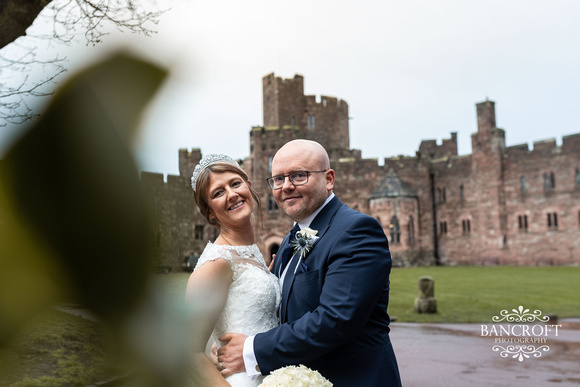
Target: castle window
[395, 230]
[440, 195]
[292, 121]
[549, 181]
[272, 205]
[552, 220]
[466, 224]
[523, 223]
[523, 185]
[461, 193]
[269, 164]
[443, 228]
[198, 233]
[311, 121]
[577, 178]
[411, 231]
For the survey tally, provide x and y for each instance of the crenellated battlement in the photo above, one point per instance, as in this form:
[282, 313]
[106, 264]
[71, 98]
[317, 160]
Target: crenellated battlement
[518, 151]
[188, 160]
[542, 146]
[158, 181]
[571, 143]
[431, 150]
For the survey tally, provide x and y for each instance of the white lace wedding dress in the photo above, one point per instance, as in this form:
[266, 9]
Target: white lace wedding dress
[253, 298]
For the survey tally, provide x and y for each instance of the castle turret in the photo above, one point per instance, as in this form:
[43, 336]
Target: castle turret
[488, 146]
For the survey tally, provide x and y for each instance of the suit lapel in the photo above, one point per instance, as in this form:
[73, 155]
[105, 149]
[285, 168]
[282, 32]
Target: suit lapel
[321, 223]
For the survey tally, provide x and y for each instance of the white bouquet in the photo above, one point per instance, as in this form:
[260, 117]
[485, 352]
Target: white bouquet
[300, 376]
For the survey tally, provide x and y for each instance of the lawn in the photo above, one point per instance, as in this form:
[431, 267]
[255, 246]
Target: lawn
[58, 349]
[470, 293]
[476, 294]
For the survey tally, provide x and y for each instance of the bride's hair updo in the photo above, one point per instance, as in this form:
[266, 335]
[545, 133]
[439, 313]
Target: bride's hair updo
[202, 181]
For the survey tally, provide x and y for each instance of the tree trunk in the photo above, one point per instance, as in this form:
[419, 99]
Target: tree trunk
[16, 16]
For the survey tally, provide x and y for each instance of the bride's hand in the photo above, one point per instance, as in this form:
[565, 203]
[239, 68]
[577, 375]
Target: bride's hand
[271, 267]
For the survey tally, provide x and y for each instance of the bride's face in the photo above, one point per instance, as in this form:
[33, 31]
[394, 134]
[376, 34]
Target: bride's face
[229, 199]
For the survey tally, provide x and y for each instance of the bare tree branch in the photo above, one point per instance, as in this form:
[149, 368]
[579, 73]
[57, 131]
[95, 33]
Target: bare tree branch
[70, 19]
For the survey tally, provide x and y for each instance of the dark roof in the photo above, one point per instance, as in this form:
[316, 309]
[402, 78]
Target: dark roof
[392, 186]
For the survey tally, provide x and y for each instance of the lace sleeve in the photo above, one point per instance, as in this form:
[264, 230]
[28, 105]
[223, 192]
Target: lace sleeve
[213, 252]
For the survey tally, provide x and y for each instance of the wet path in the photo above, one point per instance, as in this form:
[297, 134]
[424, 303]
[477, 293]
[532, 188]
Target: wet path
[443, 355]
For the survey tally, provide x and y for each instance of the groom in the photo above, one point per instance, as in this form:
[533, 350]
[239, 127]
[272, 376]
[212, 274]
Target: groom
[334, 300]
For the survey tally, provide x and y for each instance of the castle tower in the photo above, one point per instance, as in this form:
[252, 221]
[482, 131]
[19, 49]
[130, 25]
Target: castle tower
[286, 107]
[488, 146]
[188, 160]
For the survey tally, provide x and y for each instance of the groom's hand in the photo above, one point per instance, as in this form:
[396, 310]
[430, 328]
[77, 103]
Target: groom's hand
[231, 355]
[271, 267]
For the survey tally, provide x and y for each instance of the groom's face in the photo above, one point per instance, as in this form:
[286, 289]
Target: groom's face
[298, 202]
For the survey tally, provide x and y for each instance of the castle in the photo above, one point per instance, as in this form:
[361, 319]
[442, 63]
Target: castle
[497, 206]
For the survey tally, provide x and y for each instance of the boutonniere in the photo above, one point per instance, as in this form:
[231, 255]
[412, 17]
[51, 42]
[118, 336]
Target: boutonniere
[303, 243]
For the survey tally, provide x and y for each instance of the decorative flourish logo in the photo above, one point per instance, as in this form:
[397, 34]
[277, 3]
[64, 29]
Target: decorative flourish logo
[520, 337]
[520, 315]
[520, 351]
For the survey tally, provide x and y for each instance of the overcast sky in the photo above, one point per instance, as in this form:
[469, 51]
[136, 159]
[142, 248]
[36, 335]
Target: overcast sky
[409, 70]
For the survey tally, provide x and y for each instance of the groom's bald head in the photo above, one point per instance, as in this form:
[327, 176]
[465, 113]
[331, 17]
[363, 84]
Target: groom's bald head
[300, 201]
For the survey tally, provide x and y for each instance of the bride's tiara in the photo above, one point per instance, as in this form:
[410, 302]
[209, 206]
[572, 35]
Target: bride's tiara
[206, 161]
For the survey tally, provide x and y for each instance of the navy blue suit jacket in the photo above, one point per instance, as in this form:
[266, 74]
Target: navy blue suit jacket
[334, 316]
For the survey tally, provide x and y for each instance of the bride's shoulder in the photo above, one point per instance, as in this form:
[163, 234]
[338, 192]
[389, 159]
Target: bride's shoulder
[213, 252]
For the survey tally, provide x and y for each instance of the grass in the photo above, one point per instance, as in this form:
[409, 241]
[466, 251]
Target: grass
[471, 294]
[57, 349]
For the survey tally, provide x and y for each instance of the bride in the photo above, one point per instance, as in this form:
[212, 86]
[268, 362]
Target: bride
[225, 197]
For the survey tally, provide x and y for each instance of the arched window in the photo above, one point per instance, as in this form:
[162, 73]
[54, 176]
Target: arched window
[523, 184]
[461, 193]
[395, 230]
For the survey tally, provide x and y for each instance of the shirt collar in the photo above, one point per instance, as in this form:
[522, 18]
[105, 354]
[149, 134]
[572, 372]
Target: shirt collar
[306, 222]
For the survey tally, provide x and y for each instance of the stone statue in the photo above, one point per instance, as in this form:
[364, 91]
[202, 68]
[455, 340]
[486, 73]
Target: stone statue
[425, 301]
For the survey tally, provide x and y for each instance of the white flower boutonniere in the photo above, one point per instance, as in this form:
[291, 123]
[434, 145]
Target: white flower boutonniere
[295, 376]
[303, 243]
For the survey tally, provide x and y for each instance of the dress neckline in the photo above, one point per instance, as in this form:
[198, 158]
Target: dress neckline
[232, 246]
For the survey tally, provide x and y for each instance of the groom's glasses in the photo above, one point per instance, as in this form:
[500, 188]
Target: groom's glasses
[296, 178]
